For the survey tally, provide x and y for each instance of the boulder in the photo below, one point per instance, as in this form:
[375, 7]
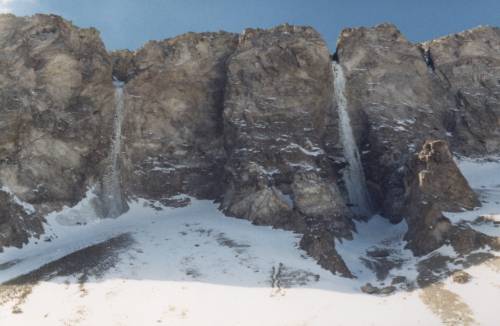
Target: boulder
[434, 184]
[461, 277]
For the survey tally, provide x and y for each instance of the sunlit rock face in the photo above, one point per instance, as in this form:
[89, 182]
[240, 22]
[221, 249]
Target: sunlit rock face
[55, 95]
[468, 66]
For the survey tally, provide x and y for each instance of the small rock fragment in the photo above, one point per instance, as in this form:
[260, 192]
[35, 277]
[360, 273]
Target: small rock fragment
[370, 289]
[461, 277]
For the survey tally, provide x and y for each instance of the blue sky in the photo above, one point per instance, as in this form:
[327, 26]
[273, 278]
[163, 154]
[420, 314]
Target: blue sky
[130, 23]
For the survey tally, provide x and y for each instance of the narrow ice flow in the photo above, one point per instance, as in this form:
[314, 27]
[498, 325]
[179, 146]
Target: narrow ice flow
[112, 191]
[353, 175]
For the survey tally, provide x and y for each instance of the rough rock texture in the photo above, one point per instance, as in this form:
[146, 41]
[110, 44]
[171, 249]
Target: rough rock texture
[320, 244]
[249, 120]
[468, 65]
[278, 95]
[55, 95]
[124, 65]
[15, 222]
[434, 184]
[395, 102]
[401, 94]
[173, 128]
[277, 108]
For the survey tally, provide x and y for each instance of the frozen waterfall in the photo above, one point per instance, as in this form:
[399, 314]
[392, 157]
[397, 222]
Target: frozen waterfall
[112, 187]
[353, 175]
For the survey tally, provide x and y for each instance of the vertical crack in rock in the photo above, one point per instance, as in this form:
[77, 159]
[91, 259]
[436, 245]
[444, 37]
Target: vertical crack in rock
[429, 61]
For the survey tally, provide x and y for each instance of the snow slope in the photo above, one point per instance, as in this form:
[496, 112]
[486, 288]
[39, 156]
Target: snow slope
[194, 266]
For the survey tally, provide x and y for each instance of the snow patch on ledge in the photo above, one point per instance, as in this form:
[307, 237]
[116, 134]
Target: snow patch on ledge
[28, 208]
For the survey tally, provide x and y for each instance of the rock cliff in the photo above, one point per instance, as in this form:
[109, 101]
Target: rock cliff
[173, 126]
[395, 102]
[249, 120]
[468, 66]
[56, 100]
[402, 94]
[278, 106]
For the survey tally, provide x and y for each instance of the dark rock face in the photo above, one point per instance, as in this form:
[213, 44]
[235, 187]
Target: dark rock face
[15, 222]
[395, 102]
[468, 65]
[277, 108]
[278, 95]
[320, 244]
[401, 94]
[173, 129]
[55, 95]
[435, 184]
[124, 65]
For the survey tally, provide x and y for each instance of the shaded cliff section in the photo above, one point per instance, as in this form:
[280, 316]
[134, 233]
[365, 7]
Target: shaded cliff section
[403, 98]
[56, 106]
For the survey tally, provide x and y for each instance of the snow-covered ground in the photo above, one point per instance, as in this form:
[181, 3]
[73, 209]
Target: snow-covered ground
[194, 266]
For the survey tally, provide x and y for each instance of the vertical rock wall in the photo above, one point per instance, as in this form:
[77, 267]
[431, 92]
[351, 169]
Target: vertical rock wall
[249, 120]
[468, 66]
[55, 95]
[173, 128]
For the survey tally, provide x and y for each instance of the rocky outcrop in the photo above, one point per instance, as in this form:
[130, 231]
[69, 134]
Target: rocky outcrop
[278, 106]
[55, 95]
[16, 222]
[434, 184]
[173, 124]
[274, 133]
[395, 102]
[401, 94]
[468, 66]
[249, 120]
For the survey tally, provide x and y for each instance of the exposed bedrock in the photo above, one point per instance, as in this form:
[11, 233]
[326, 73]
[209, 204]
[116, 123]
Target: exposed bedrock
[434, 184]
[277, 108]
[239, 118]
[468, 65]
[277, 117]
[395, 103]
[400, 95]
[249, 120]
[173, 126]
[56, 100]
